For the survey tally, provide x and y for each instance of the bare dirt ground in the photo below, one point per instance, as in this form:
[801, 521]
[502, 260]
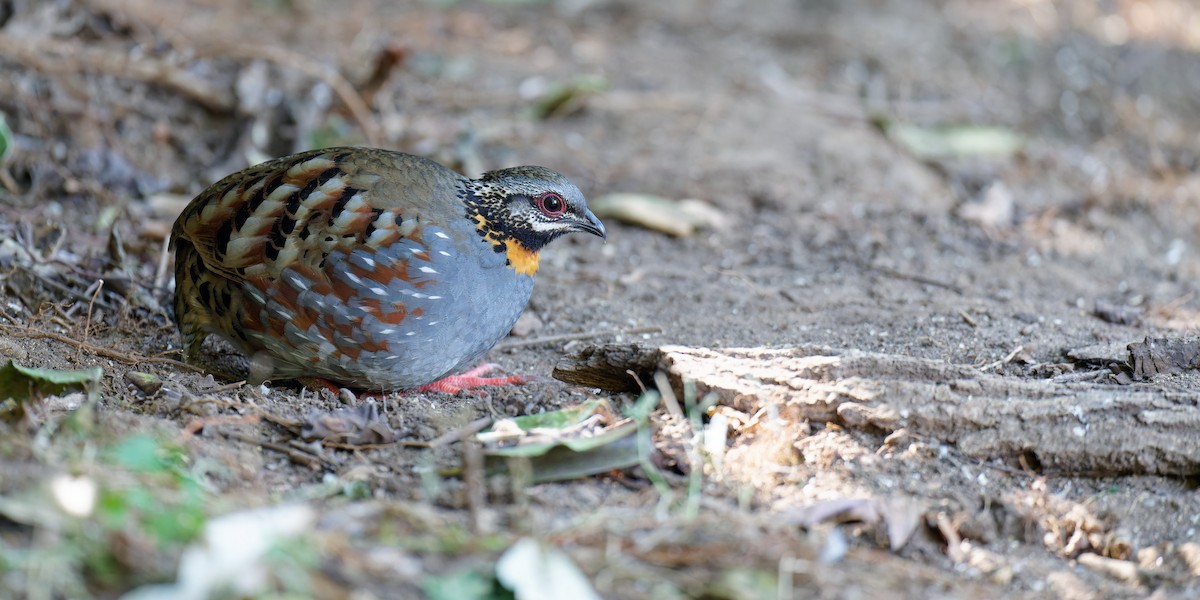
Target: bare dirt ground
[918, 356]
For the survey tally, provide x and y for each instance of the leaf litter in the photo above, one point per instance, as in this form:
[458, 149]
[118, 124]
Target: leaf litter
[156, 107]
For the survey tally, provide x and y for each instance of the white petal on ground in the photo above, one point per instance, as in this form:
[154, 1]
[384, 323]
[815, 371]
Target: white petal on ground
[75, 495]
[228, 557]
[535, 571]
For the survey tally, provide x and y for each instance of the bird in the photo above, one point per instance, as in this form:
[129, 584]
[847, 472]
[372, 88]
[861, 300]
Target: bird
[366, 268]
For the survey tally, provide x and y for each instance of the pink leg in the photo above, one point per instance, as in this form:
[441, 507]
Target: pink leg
[470, 380]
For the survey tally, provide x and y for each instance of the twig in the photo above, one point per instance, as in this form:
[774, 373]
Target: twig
[9, 183]
[917, 278]
[1121, 570]
[1165, 310]
[1003, 361]
[307, 459]
[224, 388]
[87, 322]
[363, 447]
[570, 337]
[68, 57]
[160, 274]
[313, 68]
[967, 318]
[983, 464]
[1077, 376]
[65, 57]
[954, 548]
[291, 425]
[759, 291]
[459, 434]
[667, 393]
[121, 357]
[474, 478]
[200, 423]
[64, 289]
[636, 379]
[89, 294]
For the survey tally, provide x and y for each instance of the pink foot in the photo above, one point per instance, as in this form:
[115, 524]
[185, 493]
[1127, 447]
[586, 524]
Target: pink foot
[471, 380]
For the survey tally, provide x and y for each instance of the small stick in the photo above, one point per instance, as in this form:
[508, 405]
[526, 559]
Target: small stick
[297, 456]
[1165, 310]
[473, 477]
[224, 388]
[739, 276]
[636, 379]
[460, 434]
[967, 318]
[121, 357]
[62, 288]
[195, 425]
[160, 275]
[330, 76]
[1003, 361]
[953, 542]
[1077, 376]
[917, 278]
[364, 447]
[67, 58]
[88, 292]
[87, 322]
[667, 393]
[570, 337]
[9, 183]
[1121, 570]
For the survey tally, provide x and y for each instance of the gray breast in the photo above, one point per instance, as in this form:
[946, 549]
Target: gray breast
[459, 303]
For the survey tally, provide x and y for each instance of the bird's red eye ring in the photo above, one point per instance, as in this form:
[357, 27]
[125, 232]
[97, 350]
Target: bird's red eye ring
[551, 204]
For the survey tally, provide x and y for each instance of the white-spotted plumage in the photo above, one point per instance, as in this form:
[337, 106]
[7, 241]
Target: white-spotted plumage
[344, 263]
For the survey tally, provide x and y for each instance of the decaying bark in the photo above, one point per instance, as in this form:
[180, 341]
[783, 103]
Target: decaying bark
[1155, 356]
[615, 368]
[1066, 428]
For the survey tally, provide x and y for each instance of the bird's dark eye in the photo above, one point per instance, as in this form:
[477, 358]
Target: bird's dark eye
[551, 204]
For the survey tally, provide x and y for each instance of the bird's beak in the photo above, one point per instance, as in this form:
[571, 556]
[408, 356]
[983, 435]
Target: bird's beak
[589, 223]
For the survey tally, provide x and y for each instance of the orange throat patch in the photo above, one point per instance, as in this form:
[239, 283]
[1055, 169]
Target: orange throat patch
[521, 259]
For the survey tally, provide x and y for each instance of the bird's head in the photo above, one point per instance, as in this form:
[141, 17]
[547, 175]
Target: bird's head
[520, 210]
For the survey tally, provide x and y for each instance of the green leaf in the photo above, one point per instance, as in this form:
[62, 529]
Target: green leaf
[569, 97]
[744, 583]
[613, 449]
[561, 463]
[460, 585]
[644, 407]
[174, 525]
[576, 444]
[6, 137]
[20, 384]
[112, 509]
[957, 141]
[565, 444]
[17, 381]
[560, 419]
[140, 453]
